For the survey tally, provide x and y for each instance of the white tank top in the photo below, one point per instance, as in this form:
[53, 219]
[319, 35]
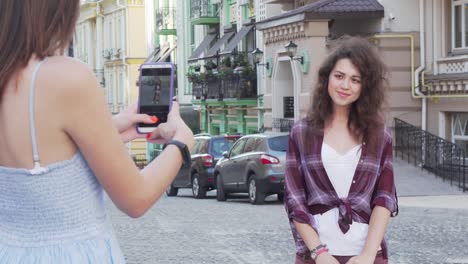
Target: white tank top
[340, 170]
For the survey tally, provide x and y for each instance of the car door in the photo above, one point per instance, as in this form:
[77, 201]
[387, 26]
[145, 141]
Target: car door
[247, 162]
[230, 165]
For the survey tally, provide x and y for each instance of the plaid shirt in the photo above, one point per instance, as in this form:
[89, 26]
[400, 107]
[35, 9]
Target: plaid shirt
[310, 192]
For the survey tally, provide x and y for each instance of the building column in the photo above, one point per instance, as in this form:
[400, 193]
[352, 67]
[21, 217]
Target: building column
[241, 123]
[223, 125]
[99, 45]
[204, 119]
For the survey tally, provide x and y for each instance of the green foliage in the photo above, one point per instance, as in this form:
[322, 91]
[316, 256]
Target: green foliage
[194, 77]
[226, 62]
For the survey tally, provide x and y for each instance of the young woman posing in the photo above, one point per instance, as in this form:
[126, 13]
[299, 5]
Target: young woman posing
[340, 191]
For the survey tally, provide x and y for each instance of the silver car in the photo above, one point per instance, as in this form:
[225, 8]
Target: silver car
[254, 165]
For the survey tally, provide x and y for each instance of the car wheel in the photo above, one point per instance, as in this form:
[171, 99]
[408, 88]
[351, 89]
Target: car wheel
[220, 194]
[198, 191]
[281, 197]
[172, 191]
[255, 196]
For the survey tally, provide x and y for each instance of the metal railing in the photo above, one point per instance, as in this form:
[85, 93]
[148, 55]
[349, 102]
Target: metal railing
[201, 8]
[283, 124]
[435, 154]
[165, 18]
[229, 87]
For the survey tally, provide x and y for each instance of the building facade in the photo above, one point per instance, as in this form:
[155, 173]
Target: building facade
[110, 38]
[422, 42]
[216, 68]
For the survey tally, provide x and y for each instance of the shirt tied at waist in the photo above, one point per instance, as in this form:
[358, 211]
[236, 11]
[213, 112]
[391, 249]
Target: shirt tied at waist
[345, 218]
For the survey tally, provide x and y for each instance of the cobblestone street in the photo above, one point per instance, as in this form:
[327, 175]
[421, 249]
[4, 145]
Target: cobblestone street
[184, 230]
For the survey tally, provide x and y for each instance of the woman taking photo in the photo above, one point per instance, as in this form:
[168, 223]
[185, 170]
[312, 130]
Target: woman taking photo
[61, 148]
[340, 191]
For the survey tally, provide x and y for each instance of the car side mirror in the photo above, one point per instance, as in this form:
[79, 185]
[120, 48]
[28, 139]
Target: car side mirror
[226, 155]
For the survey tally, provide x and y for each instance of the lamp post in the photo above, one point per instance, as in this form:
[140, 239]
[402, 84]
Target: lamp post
[258, 55]
[291, 49]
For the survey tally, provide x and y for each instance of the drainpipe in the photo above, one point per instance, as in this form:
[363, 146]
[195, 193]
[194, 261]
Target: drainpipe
[124, 62]
[422, 55]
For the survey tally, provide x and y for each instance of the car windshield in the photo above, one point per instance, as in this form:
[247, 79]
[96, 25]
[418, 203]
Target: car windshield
[221, 145]
[278, 143]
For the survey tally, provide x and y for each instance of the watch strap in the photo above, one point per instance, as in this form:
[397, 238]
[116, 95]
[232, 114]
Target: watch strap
[183, 149]
[314, 253]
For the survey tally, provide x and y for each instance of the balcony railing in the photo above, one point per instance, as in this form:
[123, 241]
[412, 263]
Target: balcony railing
[451, 78]
[437, 155]
[283, 124]
[166, 21]
[202, 12]
[230, 87]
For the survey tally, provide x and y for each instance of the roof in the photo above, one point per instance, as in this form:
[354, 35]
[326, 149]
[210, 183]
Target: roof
[329, 9]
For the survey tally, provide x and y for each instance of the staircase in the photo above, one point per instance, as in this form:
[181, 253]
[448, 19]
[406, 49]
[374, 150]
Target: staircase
[437, 156]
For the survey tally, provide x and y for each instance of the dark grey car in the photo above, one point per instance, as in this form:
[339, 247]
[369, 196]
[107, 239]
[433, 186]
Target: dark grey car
[198, 175]
[254, 165]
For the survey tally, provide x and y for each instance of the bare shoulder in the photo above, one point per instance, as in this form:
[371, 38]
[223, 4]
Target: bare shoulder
[68, 73]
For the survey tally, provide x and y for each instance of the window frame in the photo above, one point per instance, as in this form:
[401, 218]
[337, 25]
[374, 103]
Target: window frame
[463, 4]
[464, 134]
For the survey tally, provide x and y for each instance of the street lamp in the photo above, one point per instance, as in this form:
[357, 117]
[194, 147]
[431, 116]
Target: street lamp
[291, 49]
[258, 55]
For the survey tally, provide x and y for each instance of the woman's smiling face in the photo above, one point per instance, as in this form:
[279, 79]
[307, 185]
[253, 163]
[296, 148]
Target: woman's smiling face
[344, 83]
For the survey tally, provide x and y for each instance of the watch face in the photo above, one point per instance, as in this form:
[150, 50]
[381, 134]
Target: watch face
[313, 255]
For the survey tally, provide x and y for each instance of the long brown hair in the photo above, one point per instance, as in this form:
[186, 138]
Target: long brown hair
[365, 119]
[39, 27]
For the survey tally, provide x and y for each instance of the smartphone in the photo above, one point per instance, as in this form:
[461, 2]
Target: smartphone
[156, 89]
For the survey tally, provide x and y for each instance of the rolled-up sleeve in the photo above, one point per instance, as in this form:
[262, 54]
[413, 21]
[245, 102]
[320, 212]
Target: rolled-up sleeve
[296, 194]
[385, 194]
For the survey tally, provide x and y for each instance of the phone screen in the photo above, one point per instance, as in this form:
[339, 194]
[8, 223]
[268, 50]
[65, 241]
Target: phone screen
[155, 93]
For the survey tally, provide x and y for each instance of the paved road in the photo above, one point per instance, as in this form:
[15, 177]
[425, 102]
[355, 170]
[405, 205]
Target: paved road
[184, 230]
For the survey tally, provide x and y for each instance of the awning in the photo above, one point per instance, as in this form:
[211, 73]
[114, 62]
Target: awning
[153, 54]
[163, 51]
[236, 39]
[167, 53]
[222, 41]
[202, 47]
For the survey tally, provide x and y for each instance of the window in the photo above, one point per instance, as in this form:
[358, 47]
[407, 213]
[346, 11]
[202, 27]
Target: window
[121, 86]
[460, 130]
[196, 146]
[252, 144]
[120, 32]
[111, 34]
[278, 143]
[203, 146]
[110, 88]
[459, 24]
[237, 149]
[220, 145]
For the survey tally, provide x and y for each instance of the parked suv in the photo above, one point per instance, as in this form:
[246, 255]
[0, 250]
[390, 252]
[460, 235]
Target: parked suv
[254, 165]
[198, 175]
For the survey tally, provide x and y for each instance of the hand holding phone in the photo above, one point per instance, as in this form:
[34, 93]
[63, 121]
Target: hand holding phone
[127, 120]
[175, 128]
[156, 89]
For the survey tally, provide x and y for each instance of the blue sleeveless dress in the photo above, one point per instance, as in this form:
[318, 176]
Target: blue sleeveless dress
[54, 214]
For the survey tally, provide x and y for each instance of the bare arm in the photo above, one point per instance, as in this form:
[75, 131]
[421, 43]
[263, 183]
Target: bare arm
[377, 227]
[308, 234]
[89, 124]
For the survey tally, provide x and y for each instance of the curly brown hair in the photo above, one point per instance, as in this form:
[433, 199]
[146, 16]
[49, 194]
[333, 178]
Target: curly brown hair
[365, 120]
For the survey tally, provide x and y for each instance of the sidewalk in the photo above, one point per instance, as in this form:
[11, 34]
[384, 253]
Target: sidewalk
[419, 188]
